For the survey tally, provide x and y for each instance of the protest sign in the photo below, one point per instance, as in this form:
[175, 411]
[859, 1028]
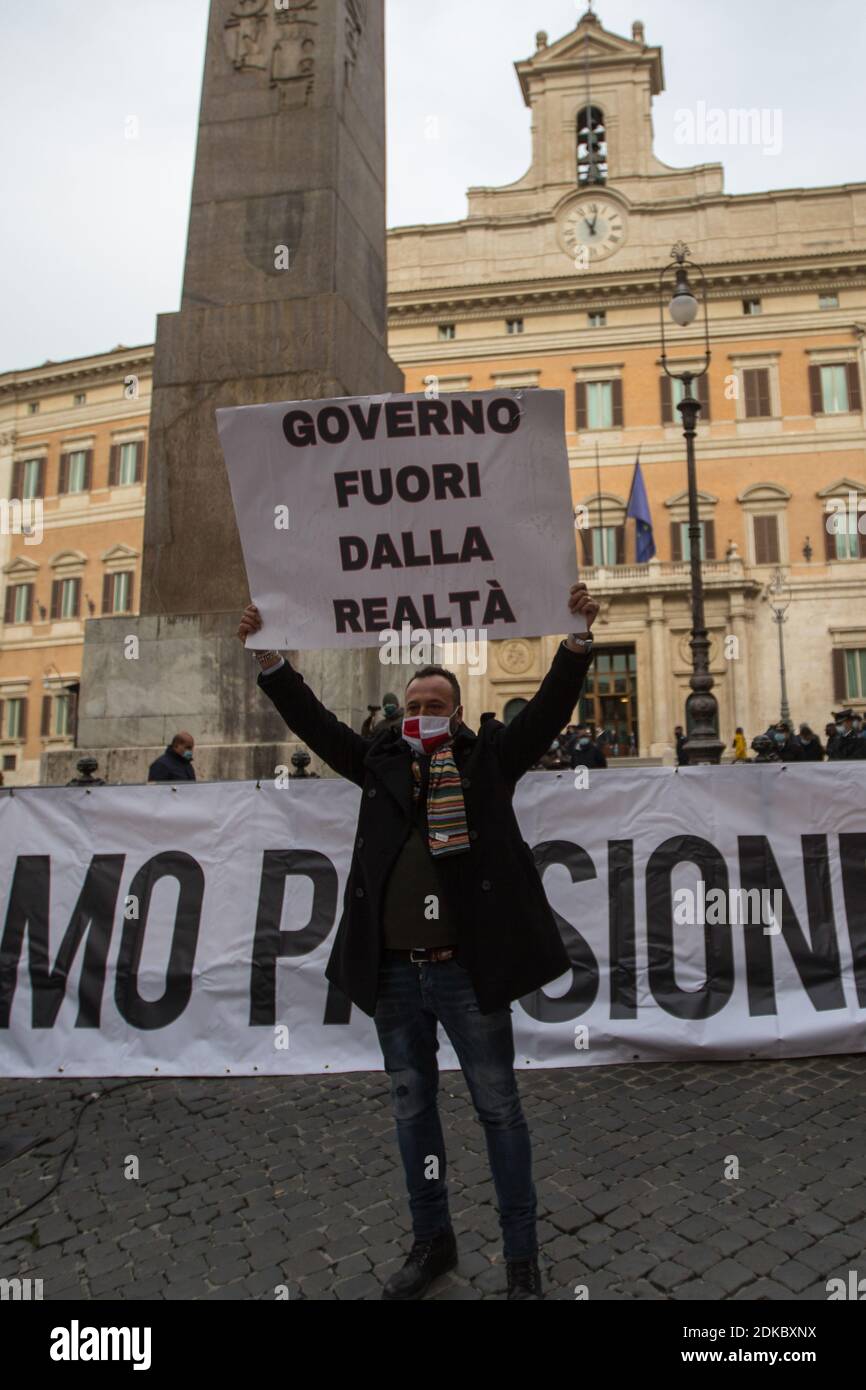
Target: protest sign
[362, 517]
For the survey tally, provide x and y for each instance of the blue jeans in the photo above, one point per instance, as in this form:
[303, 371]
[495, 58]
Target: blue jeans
[411, 1000]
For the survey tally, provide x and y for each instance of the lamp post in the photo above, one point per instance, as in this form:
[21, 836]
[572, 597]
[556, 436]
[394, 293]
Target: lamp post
[779, 597]
[703, 744]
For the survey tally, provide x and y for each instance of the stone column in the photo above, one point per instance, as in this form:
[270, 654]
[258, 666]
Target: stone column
[662, 733]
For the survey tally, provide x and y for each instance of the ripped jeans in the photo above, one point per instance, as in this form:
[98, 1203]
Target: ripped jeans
[411, 1000]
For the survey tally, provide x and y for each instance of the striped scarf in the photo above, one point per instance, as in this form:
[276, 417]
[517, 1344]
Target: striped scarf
[447, 831]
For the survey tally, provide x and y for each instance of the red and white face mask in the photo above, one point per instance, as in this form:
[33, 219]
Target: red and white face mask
[425, 733]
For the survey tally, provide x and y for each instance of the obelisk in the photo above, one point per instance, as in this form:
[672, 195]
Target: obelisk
[284, 298]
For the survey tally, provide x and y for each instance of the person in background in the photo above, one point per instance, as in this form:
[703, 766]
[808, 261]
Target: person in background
[568, 743]
[392, 714]
[175, 764]
[585, 753]
[845, 745]
[680, 737]
[786, 747]
[485, 717]
[369, 725]
[739, 746]
[809, 745]
[829, 734]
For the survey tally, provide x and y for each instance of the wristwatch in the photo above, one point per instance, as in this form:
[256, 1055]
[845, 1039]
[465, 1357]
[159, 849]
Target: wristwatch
[584, 641]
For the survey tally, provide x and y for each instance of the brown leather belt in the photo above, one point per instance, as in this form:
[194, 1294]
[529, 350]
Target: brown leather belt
[425, 953]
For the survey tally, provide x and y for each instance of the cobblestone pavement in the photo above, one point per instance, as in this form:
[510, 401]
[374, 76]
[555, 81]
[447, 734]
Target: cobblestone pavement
[248, 1184]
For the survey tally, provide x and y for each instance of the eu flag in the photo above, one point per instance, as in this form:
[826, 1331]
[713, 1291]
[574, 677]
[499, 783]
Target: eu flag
[638, 510]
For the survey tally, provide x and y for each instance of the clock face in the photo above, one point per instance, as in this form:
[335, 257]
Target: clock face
[593, 230]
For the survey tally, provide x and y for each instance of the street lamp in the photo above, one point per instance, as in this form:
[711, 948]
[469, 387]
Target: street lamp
[703, 744]
[779, 597]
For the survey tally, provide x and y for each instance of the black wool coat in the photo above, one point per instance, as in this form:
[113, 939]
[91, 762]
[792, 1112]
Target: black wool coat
[508, 937]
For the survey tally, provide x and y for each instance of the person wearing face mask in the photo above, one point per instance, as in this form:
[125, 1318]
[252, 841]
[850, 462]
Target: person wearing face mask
[175, 764]
[845, 745]
[786, 745]
[809, 745]
[585, 753]
[445, 921]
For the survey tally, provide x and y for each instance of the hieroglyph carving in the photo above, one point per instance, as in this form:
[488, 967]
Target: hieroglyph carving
[277, 37]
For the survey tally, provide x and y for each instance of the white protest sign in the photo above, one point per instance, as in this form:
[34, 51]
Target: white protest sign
[362, 517]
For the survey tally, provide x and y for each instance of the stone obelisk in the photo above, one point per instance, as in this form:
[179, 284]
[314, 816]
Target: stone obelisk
[284, 298]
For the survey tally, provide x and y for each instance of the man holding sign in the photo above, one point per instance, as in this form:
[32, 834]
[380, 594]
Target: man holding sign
[445, 920]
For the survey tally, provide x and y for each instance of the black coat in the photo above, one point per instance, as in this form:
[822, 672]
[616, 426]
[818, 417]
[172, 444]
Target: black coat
[171, 767]
[508, 937]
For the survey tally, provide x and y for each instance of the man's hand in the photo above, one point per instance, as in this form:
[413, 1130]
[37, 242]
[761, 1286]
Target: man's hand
[250, 623]
[579, 601]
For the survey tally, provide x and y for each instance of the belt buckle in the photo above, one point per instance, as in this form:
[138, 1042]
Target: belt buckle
[412, 955]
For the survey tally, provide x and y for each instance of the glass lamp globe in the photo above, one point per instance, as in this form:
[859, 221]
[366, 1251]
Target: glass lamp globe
[684, 308]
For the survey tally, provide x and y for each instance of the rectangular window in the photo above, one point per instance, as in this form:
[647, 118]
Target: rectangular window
[69, 591]
[672, 392]
[599, 405]
[32, 407]
[128, 463]
[31, 475]
[828, 301]
[514, 325]
[15, 721]
[121, 592]
[23, 603]
[766, 540]
[685, 543]
[598, 319]
[10, 762]
[855, 664]
[76, 471]
[681, 549]
[62, 710]
[80, 398]
[756, 387]
[447, 331]
[603, 545]
[752, 307]
[834, 390]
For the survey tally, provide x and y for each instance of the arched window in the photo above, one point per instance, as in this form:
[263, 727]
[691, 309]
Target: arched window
[591, 147]
[513, 708]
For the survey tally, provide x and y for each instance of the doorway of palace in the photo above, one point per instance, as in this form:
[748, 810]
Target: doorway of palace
[609, 703]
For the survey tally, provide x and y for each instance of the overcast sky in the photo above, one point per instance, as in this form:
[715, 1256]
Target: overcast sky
[93, 224]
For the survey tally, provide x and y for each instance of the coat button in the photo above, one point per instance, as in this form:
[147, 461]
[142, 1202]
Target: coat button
[486, 885]
[473, 834]
[359, 892]
[467, 782]
[360, 842]
[372, 791]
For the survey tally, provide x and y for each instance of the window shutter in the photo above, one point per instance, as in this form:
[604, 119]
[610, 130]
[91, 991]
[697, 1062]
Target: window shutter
[667, 400]
[764, 391]
[29, 614]
[862, 534]
[139, 460]
[829, 538]
[40, 482]
[586, 544]
[45, 726]
[710, 540]
[616, 394]
[766, 540]
[130, 607]
[88, 470]
[751, 392]
[756, 381]
[620, 545]
[9, 612]
[18, 479]
[580, 393]
[76, 599]
[704, 396]
[55, 598]
[840, 676]
[107, 582]
[676, 542]
[2, 709]
[114, 465]
[22, 723]
[815, 393]
[63, 474]
[853, 386]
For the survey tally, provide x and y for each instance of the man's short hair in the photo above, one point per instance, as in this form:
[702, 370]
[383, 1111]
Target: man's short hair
[449, 676]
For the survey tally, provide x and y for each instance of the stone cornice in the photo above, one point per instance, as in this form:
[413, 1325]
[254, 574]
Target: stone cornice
[58, 376]
[773, 275]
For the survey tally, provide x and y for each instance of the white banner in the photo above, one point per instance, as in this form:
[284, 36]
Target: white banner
[397, 513]
[183, 929]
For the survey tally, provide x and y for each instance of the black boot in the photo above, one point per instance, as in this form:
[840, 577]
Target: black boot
[524, 1279]
[427, 1260]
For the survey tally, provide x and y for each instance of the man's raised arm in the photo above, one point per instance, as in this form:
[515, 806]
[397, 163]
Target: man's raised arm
[530, 734]
[331, 740]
